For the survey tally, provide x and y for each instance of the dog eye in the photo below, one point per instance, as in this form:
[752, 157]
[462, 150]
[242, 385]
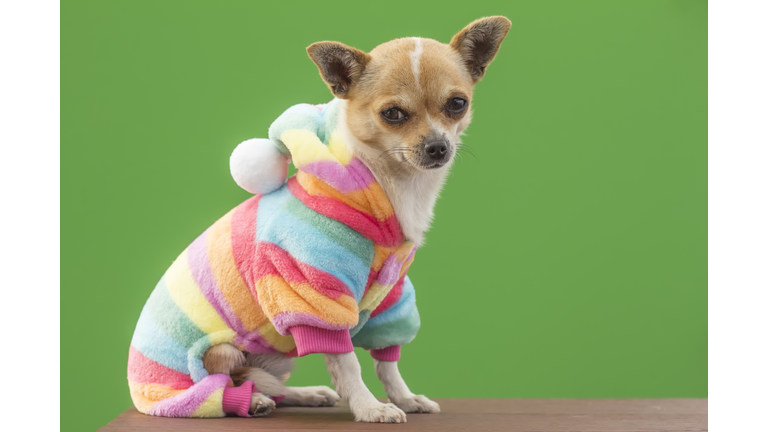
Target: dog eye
[394, 115]
[456, 105]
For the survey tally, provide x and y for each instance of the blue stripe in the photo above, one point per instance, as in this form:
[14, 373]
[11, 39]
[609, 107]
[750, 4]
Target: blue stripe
[402, 309]
[155, 345]
[169, 318]
[306, 243]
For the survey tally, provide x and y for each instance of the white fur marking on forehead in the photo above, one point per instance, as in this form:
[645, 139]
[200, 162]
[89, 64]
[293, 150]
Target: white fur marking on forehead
[416, 58]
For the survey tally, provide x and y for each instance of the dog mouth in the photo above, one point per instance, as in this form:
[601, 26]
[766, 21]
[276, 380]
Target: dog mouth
[433, 165]
[422, 162]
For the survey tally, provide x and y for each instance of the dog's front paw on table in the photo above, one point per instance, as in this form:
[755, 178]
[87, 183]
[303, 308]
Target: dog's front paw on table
[417, 404]
[261, 405]
[380, 413]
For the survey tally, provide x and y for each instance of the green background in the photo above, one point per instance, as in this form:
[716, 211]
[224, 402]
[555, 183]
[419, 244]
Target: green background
[567, 259]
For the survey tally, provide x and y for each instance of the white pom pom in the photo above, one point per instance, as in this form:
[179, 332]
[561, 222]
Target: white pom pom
[258, 167]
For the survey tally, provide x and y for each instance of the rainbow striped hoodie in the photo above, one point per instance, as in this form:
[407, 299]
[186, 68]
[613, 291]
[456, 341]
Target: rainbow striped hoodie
[317, 266]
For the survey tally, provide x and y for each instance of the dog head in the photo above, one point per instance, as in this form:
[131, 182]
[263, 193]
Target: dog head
[410, 99]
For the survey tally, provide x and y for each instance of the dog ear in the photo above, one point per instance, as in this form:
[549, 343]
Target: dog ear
[479, 42]
[340, 65]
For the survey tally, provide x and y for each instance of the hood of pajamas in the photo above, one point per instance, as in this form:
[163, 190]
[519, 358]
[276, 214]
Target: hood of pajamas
[317, 266]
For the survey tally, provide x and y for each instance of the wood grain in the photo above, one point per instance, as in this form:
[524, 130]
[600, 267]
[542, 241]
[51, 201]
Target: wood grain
[484, 415]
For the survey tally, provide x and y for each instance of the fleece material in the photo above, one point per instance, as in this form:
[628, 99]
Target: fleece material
[317, 266]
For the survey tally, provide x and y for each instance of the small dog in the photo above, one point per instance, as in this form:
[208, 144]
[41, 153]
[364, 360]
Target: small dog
[317, 264]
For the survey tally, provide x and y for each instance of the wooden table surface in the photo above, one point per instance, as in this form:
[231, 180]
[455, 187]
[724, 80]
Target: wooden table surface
[484, 415]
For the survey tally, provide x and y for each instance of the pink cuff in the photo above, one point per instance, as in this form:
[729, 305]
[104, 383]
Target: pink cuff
[391, 353]
[314, 340]
[237, 400]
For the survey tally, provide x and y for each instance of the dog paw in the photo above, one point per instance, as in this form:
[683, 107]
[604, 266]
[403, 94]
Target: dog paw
[261, 405]
[314, 396]
[380, 413]
[417, 404]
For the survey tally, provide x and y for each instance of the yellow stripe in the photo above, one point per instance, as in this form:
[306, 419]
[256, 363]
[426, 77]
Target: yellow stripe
[211, 407]
[338, 148]
[224, 269]
[278, 341]
[305, 147]
[222, 337]
[144, 395]
[375, 295]
[186, 294]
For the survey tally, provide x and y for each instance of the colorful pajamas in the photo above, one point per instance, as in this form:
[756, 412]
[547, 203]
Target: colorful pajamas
[317, 266]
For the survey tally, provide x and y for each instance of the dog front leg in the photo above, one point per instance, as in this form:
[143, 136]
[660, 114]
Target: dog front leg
[398, 392]
[346, 375]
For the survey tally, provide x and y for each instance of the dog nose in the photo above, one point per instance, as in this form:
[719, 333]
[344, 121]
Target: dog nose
[437, 149]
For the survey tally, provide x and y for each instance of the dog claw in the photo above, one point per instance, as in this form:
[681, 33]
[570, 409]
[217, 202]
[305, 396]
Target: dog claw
[261, 405]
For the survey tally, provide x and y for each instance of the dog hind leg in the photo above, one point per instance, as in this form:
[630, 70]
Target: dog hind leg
[222, 359]
[279, 366]
[226, 359]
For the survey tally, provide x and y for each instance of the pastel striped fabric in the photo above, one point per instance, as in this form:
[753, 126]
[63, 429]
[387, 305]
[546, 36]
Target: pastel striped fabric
[318, 266]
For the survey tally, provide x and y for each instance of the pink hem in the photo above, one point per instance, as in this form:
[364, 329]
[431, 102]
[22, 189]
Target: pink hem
[237, 400]
[391, 353]
[315, 340]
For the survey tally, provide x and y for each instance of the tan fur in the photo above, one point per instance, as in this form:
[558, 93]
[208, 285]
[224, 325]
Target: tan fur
[419, 76]
[268, 373]
[263, 380]
[389, 79]
[222, 359]
[276, 364]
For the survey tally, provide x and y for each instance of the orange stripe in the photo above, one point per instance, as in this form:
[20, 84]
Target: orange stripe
[380, 255]
[279, 342]
[404, 250]
[145, 395]
[371, 200]
[405, 267]
[224, 269]
[402, 253]
[276, 296]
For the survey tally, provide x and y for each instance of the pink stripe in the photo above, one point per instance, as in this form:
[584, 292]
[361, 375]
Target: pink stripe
[237, 400]
[254, 343]
[385, 233]
[244, 239]
[271, 259]
[144, 370]
[372, 275]
[197, 255]
[358, 169]
[390, 271]
[285, 320]
[347, 179]
[183, 405]
[391, 353]
[392, 297]
[411, 255]
[313, 340]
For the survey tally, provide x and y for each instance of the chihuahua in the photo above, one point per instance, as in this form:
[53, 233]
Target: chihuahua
[401, 110]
